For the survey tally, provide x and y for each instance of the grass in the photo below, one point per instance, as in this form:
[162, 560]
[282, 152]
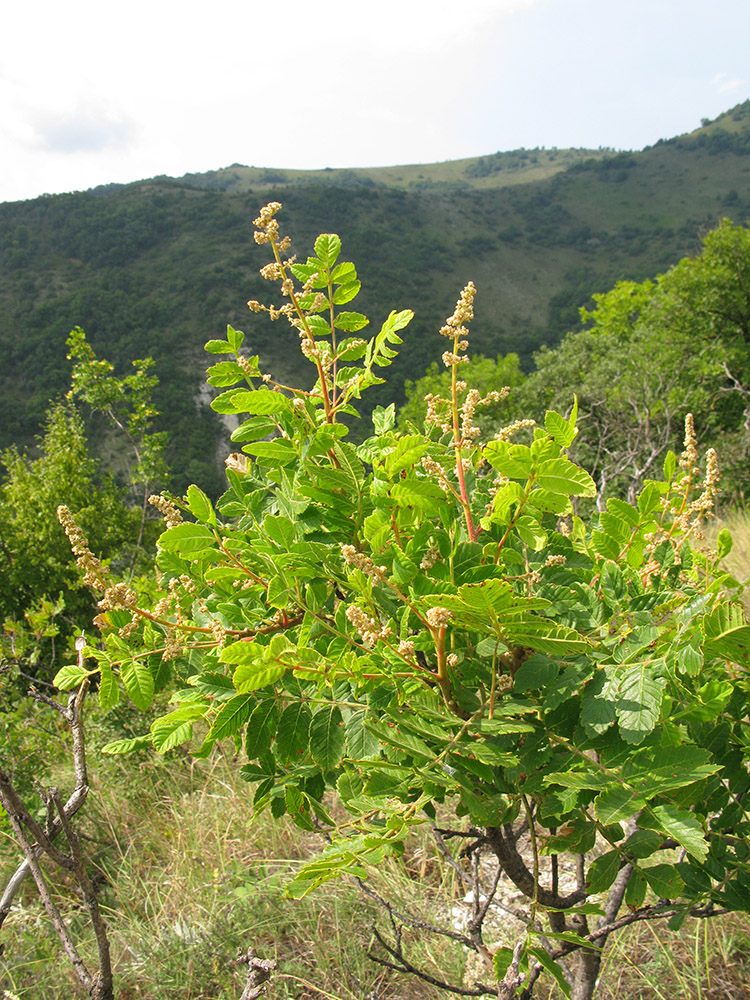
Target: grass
[737, 562]
[189, 879]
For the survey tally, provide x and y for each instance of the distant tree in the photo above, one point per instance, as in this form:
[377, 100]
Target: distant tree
[38, 569]
[647, 355]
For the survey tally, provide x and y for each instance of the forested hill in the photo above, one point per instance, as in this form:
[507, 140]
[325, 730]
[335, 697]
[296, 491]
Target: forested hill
[159, 267]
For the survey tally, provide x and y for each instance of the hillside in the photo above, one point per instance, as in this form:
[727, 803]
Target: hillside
[160, 266]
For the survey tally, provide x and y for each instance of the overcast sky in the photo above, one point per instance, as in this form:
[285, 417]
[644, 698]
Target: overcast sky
[93, 92]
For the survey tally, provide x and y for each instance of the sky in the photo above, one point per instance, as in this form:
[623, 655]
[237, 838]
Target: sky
[94, 92]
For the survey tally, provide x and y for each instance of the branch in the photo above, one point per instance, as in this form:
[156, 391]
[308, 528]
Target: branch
[259, 971]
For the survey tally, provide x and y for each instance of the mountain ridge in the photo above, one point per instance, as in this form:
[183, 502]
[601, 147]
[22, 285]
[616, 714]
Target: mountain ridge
[160, 266]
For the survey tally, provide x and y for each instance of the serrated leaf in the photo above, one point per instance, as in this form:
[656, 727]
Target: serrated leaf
[69, 676]
[664, 881]
[256, 675]
[292, 732]
[598, 702]
[139, 683]
[225, 374]
[232, 716]
[360, 741]
[612, 583]
[553, 968]
[109, 689]
[618, 804]
[327, 248]
[261, 726]
[560, 475]
[727, 634]
[127, 746]
[187, 539]
[724, 543]
[218, 347]
[260, 402]
[174, 729]
[327, 737]
[345, 293]
[350, 322]
[639, 701]
[682, 826]
[602, 872]
[562, 430]
[199, 505]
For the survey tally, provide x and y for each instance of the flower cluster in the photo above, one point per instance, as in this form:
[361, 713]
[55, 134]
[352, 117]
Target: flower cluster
[456, 329]
[93, 571]
[362, 562]
[438, 617]
[167, 509]
[367, 627]
[267, 227]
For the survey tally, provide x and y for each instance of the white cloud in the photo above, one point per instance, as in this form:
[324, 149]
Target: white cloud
[723, 82]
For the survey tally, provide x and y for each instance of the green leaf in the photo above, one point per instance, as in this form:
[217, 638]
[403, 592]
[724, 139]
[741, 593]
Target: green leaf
[723, 543]
[618, 804]
[225, 374]
[664, 880]
[384, 419]
[327, 737]
[69, 677]
[280, 451]
[328, 247]
[256, 675]
[419, 493]
[187, 539]
[612, 583]
[235, 338]
[560, 475]
[259, 401]
[535, 673]
[360, 741]
[109, 689]
[727, 634]
[232, 716]
[350, 322]
[199, 505]
[218, 347]
[345, 293]
[176, 728]
[292, 732]
[682, 826]
[553, 968]
[638, 704]
[139, 683]
[511, 460]
[598, 702]
[531, 532]
[127, 746]
[261, 727]
[602, 872]
[562, 430]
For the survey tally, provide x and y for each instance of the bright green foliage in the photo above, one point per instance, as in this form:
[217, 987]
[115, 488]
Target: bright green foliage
[424, 623]
[649, 354]
[127, 403]
[36, 557]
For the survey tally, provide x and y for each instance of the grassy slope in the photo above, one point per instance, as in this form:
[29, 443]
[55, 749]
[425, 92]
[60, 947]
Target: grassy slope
[160, 266]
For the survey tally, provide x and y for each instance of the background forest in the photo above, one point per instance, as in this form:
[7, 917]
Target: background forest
[634, 299]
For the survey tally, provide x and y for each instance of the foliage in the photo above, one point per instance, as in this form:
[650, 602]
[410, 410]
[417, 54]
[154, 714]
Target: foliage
[424, 624]
[650, 353]
[37, 561]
